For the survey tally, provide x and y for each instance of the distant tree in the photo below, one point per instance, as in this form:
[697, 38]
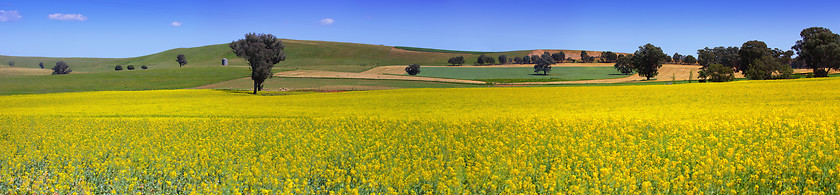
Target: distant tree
[144, 67]
[481, 59]
[819, 49]
[668, 59]
[623, 64]
[61, 68]
[182, 60]
[584, 57]
[130, 67]
[41, 64]
[717, 73]
[526, 60]
[569, 59]
[543, 64]
[490, 60]
[118, 68]
[689, 59]
[261, 51]
[608, 57]
[534, 59]
[11, 63]
[559, 57]
[457, 61]
[517, 60]
[677, 58]
[413, 69]
[503, 59]
[647, 60]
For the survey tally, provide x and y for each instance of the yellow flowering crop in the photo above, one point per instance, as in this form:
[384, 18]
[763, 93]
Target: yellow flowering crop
[756, 137]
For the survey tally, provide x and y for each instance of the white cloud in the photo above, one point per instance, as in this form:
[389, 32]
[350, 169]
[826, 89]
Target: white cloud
[9, 16]
[176, 24]
[68, 17]
[327, 21]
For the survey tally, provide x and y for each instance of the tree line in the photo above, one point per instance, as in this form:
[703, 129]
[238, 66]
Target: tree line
[819, 50]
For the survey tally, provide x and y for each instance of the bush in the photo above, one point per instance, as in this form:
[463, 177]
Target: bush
[144, 67]
[413, 69]
[118, 68]
[130, 67]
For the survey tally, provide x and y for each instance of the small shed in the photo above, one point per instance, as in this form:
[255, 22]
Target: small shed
[224, 62]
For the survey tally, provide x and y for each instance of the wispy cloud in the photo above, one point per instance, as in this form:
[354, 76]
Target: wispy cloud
[327, 21]
[67, 17]
[9, 16]
[176, 24]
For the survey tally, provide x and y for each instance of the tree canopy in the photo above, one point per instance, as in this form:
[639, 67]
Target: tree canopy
[819, 49]
[261, 51]
[647, 60]
[181, 59]
[413, 69]
[623, 64]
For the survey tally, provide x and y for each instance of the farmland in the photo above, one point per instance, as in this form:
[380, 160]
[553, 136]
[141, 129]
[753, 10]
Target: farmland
[512, 74]
[692, 138]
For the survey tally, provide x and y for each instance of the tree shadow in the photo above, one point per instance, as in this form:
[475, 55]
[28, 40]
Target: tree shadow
[537, 74]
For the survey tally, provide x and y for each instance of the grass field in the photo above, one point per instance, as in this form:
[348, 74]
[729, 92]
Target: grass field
[440, 50]
[310, 55]
[171, 78]
[750, 137]
[520, 74]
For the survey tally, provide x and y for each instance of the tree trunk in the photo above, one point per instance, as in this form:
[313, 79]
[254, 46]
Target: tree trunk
[256, 85]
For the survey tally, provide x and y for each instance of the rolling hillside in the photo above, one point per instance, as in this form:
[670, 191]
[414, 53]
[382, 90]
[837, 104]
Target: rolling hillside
[312, 55]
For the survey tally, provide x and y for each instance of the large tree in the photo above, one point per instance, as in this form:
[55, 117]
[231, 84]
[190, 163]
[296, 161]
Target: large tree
[181, 59]
[261, 51]
[623, 64]
[751, 51]
[717, 73]
[768, 67]
[608, 57]
[647, 60]
[820, 49]
[543, 64]
[61, 68]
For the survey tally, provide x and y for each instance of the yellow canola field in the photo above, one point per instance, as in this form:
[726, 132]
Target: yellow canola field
[765, 137]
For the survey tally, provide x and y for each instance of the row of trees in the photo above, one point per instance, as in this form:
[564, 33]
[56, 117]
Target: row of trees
[819, 50]
[680, 59]
[129, 67]
[560, 57]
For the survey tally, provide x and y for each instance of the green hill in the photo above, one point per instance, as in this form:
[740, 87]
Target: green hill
[312, 55]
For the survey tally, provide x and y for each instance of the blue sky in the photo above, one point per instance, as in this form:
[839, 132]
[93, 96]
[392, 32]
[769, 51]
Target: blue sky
[128, 28]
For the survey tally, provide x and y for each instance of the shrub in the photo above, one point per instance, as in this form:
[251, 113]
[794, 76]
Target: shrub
[130, 67]
[118, 68]
[144, 67]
